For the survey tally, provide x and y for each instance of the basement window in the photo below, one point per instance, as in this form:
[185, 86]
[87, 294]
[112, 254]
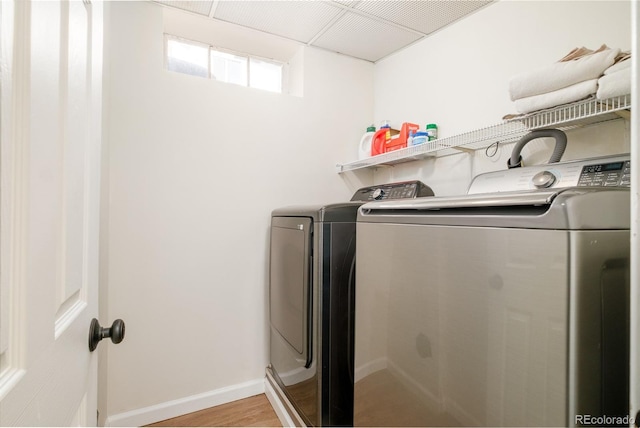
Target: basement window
[197, 59]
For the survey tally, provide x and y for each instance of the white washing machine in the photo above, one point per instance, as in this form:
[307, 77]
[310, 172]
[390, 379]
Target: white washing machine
[508, 306]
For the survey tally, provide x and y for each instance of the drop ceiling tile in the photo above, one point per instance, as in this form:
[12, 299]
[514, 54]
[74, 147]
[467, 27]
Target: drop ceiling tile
[199, 7]
[349, 3]
[297, 20]
[420, 15]
[364, 38]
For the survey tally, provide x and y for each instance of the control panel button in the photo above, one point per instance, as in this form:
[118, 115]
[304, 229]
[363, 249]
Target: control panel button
[543, 179]
[378, 194]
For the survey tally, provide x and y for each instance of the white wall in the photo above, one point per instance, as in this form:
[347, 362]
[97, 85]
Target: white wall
[458, 78]
[195, 168]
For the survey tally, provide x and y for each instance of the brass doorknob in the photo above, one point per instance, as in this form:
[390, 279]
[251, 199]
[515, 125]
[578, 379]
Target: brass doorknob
[97, 333]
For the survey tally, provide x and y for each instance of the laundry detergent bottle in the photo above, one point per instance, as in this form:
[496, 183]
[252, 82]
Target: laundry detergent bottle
[364, 150]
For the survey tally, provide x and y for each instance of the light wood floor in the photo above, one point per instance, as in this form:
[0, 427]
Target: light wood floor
[381, 401]
[254, 411]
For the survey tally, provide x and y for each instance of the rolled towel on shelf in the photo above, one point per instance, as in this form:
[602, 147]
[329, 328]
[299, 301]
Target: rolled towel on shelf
[618, 66]
[566, 95]
[614, 84]
[561, 75]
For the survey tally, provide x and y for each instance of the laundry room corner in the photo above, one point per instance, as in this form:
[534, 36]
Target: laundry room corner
[194, 168]
[318, 213]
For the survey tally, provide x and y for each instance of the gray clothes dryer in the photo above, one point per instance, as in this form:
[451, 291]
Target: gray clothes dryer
[311, 299]
[508, 306]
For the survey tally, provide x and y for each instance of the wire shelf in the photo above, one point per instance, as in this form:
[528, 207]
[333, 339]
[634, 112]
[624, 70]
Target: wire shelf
[568, 116]
[580, 113]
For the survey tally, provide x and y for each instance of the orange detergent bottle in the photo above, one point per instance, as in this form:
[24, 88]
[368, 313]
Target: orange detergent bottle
[384, 141]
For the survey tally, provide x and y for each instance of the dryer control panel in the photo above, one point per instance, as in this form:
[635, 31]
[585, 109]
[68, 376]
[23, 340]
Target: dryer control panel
[606, 171]
[401, 190]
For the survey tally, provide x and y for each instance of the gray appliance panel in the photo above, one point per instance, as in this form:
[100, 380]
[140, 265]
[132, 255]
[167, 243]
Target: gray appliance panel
[474, 326]
[307, 386]
[290, 282]
[573, 208]
[599, 323]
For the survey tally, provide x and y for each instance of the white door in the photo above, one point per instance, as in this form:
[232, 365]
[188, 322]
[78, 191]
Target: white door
[50, 128]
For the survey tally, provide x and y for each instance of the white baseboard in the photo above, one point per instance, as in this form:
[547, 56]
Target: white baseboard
[277, 405]
[285, 411]
[182, 406]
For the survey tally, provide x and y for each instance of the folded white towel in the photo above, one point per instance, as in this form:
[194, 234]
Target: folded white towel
[618, 66]
[614, 84]
[555, 98]
[561, 74]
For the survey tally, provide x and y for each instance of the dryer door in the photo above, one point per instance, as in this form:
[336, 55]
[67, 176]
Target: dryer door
[290, 283]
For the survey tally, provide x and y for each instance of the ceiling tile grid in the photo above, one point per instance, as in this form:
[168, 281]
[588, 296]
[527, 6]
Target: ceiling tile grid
[366, 29]
[420, 15]
[365, 38]
[199, 7]
[443, 13]
[407, 13]
[297, 20]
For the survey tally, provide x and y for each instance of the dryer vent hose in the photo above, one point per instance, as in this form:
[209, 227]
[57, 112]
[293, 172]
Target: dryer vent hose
[561, 143]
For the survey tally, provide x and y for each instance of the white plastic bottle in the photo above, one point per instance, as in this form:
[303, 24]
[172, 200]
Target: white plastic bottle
[364, 150]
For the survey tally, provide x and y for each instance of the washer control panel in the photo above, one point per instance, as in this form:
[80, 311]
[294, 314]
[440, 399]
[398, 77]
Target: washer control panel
[401, 190]
[606, 174]
[605, 171]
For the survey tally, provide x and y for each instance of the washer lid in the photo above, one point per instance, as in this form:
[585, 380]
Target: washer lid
[573, 208]
[501, 199]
